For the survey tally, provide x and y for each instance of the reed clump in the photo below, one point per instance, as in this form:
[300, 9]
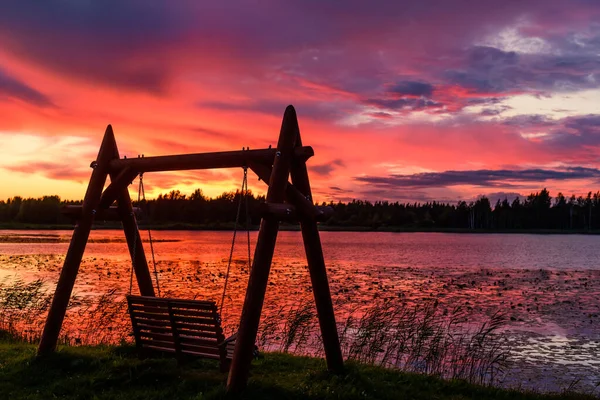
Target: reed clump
[90, 319]
[423, 338]
[21, 304]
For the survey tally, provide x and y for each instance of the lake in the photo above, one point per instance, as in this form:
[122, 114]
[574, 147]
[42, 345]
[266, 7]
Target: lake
[547, 286]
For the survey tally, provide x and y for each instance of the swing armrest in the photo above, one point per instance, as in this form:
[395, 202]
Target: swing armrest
[229, 340]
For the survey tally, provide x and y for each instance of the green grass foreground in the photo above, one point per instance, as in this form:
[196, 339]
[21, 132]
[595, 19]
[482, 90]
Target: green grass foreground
[116, 373]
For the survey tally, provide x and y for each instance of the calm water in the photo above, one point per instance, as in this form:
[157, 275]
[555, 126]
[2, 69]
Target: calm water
[547, 285]
[427, 250]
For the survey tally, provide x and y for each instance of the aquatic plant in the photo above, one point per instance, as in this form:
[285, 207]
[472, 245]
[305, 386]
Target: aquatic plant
[21, 304]
[423, 338]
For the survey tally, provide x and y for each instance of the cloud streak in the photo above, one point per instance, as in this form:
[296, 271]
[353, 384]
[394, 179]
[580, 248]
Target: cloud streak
[13, 88]
[486, 178]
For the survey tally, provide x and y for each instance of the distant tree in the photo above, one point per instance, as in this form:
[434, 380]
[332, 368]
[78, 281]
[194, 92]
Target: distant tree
[482, 213]
[538, 210]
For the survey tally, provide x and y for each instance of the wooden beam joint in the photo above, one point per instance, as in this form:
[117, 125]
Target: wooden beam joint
[289, 213]
[107, 214]
[303, 204]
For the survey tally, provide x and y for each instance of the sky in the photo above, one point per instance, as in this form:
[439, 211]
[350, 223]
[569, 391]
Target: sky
[401, 101]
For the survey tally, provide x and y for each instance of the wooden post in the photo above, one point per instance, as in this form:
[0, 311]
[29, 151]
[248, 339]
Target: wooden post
[79, 239]
[318, 272]
[132, 233]
[263, 256]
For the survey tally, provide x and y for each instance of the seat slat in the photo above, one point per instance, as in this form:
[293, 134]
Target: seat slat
[193, 304]
[194, 313]
[200, 349]
[199, 335]
[196, 327]
[158, 336]
[162, 343]
[194, 320]
[150, 324]
[174, 302]
[145, 303]
[203, 355]
[201, 308]
[151, 316]
[158, 348]
[198, 341]
[151, 309]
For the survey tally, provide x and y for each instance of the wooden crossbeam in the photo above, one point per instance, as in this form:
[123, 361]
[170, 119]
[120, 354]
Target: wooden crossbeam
[222, 159]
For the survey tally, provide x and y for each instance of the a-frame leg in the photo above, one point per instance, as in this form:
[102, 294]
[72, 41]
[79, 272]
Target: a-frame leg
[132, 235]
[79, 239]
[263, 255]
[318, 272]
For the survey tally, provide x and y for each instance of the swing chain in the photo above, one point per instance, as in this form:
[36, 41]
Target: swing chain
[243, 193]
[135, 239]
[142, 196]
[150, 235]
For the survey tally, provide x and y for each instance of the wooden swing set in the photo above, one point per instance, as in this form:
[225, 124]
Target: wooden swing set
[177, 322]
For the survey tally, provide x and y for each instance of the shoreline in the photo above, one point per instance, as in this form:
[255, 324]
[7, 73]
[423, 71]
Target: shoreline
[286, 227]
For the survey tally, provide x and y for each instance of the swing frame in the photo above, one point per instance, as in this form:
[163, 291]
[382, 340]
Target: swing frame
[289, 201]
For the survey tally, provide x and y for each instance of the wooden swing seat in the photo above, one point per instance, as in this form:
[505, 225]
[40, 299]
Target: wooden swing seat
[182, 328]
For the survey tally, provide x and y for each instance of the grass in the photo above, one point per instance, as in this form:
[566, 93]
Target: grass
[104, 372]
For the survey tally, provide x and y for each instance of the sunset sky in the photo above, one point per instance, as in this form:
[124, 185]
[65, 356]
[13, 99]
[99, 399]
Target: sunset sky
[409, 101]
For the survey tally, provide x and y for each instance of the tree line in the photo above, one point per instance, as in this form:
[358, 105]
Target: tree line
[537, 211]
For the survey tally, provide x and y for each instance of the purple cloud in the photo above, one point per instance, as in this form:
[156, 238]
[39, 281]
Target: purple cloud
[317, 110]
[328, 168]
[130, 43]
[412, 88]
[405, 103]
[13, 88]
[109, 42]
[489, 178]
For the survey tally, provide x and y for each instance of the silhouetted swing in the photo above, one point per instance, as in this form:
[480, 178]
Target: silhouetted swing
[176, 320]
[184, 328]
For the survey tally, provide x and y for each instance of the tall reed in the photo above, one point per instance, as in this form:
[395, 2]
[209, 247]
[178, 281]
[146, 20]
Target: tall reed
[424, 337]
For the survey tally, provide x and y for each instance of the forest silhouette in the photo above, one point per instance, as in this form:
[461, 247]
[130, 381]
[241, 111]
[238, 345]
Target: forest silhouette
[537, 211]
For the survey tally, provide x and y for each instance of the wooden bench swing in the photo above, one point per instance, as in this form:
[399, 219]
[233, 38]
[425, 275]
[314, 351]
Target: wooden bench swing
[179, 327]
[285, 201]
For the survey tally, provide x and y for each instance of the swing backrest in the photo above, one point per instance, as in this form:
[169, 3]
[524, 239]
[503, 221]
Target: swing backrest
[183, 327]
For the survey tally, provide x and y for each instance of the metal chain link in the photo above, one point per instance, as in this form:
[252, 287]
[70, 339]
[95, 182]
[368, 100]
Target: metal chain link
[237, 218]
[150, 236]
